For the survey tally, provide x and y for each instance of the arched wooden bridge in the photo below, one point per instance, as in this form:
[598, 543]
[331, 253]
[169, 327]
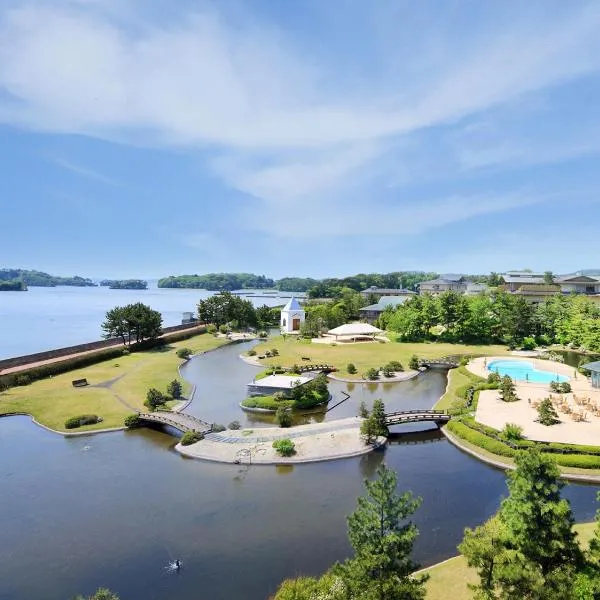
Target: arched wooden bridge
[440, 362]
[180, 421]
[416, 416]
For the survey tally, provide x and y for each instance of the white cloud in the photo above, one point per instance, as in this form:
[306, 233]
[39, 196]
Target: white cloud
[85, 171]
[282, 118]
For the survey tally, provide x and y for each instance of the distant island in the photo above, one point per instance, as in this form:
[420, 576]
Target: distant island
[41, 279]
[12, 285]
[125, 284]
[218, 282]
[317, 288]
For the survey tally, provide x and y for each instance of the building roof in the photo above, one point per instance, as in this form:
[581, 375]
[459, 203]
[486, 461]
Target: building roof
[593, 366]
[384, 302]
[355, 329]
[530, 278]
[281, 381]
[292, 304]
[441, 281]
[453, 277]
[375, 290]
[521, 274]
[578, 278]
[476, 287]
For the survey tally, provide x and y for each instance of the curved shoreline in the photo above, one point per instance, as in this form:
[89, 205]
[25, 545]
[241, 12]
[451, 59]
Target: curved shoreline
[498, 464]
[63, 433]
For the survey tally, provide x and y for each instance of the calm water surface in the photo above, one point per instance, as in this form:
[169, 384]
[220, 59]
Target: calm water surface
[114, 509]
[45, 318]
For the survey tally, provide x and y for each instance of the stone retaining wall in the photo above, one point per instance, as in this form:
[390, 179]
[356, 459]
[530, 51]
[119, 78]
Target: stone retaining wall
[18, 361]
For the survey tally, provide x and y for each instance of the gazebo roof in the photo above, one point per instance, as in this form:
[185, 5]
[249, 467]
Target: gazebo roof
[593, 366]
[355, 329]
[292, 304]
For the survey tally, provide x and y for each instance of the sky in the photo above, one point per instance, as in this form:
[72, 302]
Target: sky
[146, 138]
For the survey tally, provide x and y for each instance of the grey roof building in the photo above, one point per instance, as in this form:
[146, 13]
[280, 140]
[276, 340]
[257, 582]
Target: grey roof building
[594, 368]
[371, 313]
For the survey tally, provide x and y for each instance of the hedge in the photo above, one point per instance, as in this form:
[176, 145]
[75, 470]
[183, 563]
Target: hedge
[81, 420]
[190, 437]
[266, 402]
[480, 439]
[582, 461]
[85, 360]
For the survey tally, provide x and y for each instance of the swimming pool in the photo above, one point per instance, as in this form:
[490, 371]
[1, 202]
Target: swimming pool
[521, 370]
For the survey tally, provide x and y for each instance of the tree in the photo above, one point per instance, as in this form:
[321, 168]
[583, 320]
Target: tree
[546, 413]
[133, 322]
[363, 411]
[548, 278]
[283, 417]
[154, 399]
[174, 389]
[382, 540]
[378, 417]
[507, 389]
[530, 549]
[101, 594]
[225, 308]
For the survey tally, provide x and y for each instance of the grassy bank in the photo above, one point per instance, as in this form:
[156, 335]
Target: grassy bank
[113, 384]
[450, 578]
[458, 379]
[363, 356]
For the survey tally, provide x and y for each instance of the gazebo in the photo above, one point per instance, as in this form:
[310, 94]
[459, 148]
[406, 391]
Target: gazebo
[594, 369]
[354, 331]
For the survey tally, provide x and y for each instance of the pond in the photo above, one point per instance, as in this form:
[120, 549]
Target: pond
[112, 510]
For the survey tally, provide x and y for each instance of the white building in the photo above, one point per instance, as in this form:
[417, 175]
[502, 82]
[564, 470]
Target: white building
[292, 316]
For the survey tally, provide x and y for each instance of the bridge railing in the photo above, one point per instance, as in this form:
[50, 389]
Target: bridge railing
[416, 412]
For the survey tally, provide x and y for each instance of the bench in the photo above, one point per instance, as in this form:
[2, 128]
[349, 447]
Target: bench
[79, 382]
[306, 358]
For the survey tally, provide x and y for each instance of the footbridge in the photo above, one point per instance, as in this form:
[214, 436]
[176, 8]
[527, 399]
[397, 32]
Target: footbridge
[416, 416]
[181, 421]
[442, 363]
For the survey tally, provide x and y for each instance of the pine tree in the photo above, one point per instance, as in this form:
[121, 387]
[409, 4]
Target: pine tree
[378, 416]
[546, 413]
[382, 541]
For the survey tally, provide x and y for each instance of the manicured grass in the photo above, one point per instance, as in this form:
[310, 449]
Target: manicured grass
[365, 355]
[457, 378]
[449, 579]
[53, 400]
[266, 402]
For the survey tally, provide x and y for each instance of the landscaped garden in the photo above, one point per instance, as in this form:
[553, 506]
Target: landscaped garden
[52, 401]
[362, 356]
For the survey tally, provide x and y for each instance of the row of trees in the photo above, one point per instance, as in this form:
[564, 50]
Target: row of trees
[528, 550]
[125, 284]
[41, 279]
[499, 317]
[227, 309]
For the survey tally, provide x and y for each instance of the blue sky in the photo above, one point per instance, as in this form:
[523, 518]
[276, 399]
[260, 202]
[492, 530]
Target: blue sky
[148, 138]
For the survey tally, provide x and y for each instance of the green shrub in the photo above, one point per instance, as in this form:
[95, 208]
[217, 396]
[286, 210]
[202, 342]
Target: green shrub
[263, 335]
[372, 374]
[295, 369]
[125, 351]
[223, 329]
[546, 413]
[285, 447]
[211, 329]
[564, 387]
[413, 363]
[81, 420]
[22, 380]
[217, 427]
[184, 353]
[480, 439]
[284, 417]
[581, 461]
[154, 399]
[528, 343]
[174, 389]
[190, 437]
[234, 425]
[494, 377]
[512, 432]
[351, 368]
[132, 421]
[251, 352]
[274, 352]
[395, 365]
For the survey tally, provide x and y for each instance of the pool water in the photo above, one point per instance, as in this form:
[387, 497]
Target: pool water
[521, 370]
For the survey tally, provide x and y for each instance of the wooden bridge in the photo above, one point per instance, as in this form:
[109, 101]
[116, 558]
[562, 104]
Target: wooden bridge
[416, 416]
[310, 367]
[444, 363]
[180, 421]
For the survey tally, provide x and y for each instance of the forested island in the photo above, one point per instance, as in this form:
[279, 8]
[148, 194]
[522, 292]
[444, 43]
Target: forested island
[218, 282]
[316, 288]
[12, 285]
[41, 279]
[125, 284]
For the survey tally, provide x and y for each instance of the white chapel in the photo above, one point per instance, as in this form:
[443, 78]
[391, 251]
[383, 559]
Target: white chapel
[292, 316]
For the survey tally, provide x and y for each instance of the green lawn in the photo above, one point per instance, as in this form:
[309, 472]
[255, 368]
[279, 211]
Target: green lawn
[457, 378]
[53, 400]
[363, 355]
[450, 579]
